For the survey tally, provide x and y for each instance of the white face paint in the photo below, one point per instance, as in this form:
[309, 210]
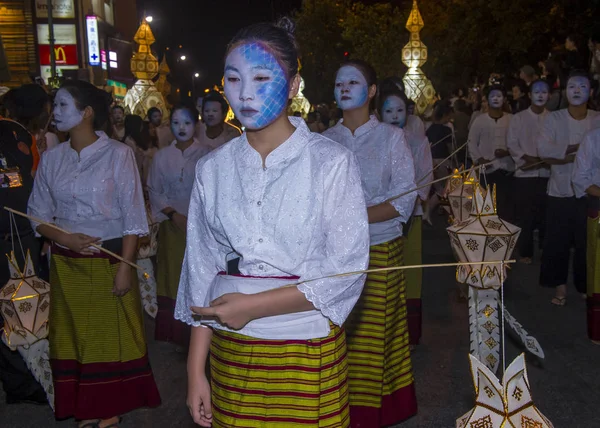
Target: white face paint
[578, 90]
[183, 125]
[66, 114]
[394, 111]
[212, 114]
[495, 99]
[539, 94]
[351, 88]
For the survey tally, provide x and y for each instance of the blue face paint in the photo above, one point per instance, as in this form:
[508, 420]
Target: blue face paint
[351, 88]
[394, 111]
[255, 85]
[183, 125]
[540, 93]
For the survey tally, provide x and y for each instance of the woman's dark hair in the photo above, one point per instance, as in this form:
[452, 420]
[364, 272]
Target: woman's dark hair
[390, 83]
[151, 111]
[117, 107]
[579, 73]
[278, 37]
[28, 105]
[87, 95]
[216, 97]
[520, 83]
[442, 109]
[495, 87]
[139, 131]
[365, 68]
[544, 81]
[390, 92]
[191, 109]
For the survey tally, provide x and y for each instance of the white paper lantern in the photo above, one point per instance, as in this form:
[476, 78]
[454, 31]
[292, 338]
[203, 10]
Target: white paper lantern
[497, 405]
[483, 237]
[460, 197]
[25, 305]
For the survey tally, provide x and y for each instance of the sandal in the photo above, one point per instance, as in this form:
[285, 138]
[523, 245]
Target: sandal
[93, 424]
[559, 301]
[116, 424]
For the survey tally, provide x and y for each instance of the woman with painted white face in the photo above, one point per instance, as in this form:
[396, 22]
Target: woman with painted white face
[216, 131]
[170, 182]
[531, 176]
[383, 393]
[586, 182]
[274, 206]
[558, 142]
[90, 186]
[487, 143]
[392, 110]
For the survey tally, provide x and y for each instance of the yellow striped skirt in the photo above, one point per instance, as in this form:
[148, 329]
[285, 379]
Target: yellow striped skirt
[279, 383]
[98, 349]
[380, 375]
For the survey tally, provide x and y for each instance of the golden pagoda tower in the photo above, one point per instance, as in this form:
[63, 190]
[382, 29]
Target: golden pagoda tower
[418, 87]
[162, 84]
[144, 67]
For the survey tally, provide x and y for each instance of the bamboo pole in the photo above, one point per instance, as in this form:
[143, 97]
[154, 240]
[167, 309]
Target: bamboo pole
[96, 246]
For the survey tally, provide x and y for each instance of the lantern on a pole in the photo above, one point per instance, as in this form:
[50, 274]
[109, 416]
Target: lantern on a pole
[460, 197]
[25, 304]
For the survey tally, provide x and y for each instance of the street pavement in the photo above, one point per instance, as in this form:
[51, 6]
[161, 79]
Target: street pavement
[564, 385]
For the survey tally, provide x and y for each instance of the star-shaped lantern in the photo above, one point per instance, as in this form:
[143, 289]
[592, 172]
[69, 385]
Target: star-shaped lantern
[460, 196]
[25, 304]
[502, 405]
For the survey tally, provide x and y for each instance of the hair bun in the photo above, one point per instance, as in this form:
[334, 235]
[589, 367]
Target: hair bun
[287, 24]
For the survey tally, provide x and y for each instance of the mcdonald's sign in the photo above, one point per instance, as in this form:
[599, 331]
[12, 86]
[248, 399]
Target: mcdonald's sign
[64, 54]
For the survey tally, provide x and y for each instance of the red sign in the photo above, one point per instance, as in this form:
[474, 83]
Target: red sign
[64, 54]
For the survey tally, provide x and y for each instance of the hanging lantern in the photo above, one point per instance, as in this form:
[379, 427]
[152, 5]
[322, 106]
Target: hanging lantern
[483, 237]
[452, 183]
[25, 304]
[497, 405]
[460, 197]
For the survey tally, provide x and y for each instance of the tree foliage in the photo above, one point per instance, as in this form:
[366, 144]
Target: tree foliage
[464, 37]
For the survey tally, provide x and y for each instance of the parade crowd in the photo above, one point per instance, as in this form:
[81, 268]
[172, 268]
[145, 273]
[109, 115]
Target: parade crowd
[240, 236]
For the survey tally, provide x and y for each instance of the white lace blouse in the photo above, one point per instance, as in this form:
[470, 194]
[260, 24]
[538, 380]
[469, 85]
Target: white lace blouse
[302, 214]
[97, 192]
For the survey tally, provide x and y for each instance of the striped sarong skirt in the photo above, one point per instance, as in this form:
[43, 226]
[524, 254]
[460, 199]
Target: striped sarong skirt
[169, 258]
[593, 275]
[98, 350]
[279, 383]
[380, 374]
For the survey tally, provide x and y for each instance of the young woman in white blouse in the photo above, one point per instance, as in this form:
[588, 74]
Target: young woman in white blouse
[391, 107]
[170, 183]
[90, 186]
[288, 205]
[380, 379]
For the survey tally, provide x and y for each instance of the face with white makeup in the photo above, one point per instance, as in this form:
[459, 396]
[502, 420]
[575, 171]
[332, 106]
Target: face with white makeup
[183, 124]
[495, 99]
[352, 90]
[393, 111]
[212, 113]
[539, 93]
[66, 113]
[578, 90]
[256, 85]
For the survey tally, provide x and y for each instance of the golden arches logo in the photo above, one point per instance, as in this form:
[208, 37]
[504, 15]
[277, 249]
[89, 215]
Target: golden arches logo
[59, 55]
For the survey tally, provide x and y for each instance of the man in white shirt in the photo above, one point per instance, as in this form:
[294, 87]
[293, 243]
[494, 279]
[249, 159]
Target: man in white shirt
[487, 143]
[531, 176]
[559, 139]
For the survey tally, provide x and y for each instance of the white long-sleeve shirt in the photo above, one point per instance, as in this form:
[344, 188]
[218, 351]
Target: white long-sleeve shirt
[522, 138]
[171, 178]
[302, 214]
[560, 131]
[387, 170]
[228, 134]
[586, 169]
[97, 192]
[485, 137]
[421, 153]
[414, 125]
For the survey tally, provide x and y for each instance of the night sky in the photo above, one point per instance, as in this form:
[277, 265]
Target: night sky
[203, 28]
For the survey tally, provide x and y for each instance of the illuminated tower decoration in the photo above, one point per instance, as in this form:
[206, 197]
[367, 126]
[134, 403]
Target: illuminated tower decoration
[162, 84]
[299, 102]
[144, 67]
[414, 55]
